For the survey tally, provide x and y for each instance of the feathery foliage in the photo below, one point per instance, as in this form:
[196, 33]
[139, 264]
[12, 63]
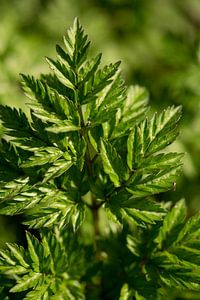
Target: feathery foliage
[88, 153]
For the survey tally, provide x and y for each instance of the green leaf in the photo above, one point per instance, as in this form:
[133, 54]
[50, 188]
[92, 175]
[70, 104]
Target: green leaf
[171, 225]
[158, 182]
[17, 195]
[162, 130]
[125, 293]
[112, 163]
[77, 215]
[116, 91]
[95, 86]
[49, 106]
[33, 246]
[110, 101]
[55, 257]
[57, 207]
[134, 245]
[88, 71]
[138, 211]
[76, 45]
[19, 130]
[65, 75]
[133, 110]
[39, 292]
[190, 229]
[187, 254]
[86, 146]
[26, 282]
[141, 217]
[63, 126]
[135, 145]
[9, 162]
[176, 261]
[161, 161]
[46, 155]
[152, 136]
[15, 122]
[57, 169]
[18, 253]
[177, 273]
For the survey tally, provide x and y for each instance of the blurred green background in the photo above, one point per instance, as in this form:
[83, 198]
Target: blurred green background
[158, 42]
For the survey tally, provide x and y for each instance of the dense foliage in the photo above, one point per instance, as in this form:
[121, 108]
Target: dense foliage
[85, 167]
[157, 41]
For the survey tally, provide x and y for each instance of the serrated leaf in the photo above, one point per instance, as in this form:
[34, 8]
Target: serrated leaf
[152, 136]
[191, 228]
[26, 282]
[172, 224]
[113, 98]
[106, 156]
[63, 126]
[39, 292]
[57, 169]
[15, 122]
[18, 254]
[110, 90]
[137, 211]
[17, 196]
[188, 254]
[55, 256]
[63, 56]
[135, 144]
[6, 257]
[57, 207]
[133, 244]
[141, 217]
[175, 272]
[78, 216]
[18, 128]
[163, 128]
[161, 161]
[155, 183]
[112, 163]
[89, 69]
[65, 75]
[47, 155]
[133, 110]
[33, 245]
[49, 106]
[76, 45]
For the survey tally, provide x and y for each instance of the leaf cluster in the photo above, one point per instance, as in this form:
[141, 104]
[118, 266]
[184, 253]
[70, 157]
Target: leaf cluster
[88, 145]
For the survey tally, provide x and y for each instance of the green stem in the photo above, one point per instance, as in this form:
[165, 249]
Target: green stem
[89, 164]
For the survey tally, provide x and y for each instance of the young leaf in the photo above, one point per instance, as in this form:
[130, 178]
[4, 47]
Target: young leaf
[65, 75]
[76, 44]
